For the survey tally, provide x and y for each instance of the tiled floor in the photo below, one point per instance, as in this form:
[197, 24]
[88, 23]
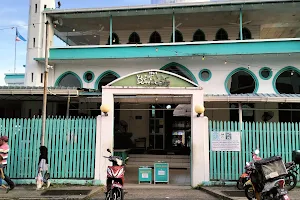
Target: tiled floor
[177, 176]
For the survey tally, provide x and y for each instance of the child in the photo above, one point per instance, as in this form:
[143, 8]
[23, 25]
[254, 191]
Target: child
[2, 175]
[43, 175]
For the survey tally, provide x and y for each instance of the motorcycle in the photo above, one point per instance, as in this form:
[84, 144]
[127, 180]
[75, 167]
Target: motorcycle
[291, 177]
[115, 178]
[266, 180]
[246, 175]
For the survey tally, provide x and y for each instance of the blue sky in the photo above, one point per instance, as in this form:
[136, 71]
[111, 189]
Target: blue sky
[15, 13]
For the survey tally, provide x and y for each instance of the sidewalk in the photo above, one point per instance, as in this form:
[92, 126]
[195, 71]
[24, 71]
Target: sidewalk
[56, 192]
[232, 193]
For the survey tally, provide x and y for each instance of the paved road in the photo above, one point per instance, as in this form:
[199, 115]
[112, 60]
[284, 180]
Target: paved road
[159, 194]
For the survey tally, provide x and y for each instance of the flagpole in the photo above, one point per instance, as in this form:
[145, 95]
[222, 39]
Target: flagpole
[15, 51]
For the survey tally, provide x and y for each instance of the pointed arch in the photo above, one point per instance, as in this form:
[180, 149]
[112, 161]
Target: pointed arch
[286, 81]
[155, 37]
[110, 75]
[68, 79]
[250, 85]
[115, 38]
[178, 36]
[246, 34]
[222, 34]
[134, 38]
[180, 70]
[199, 36]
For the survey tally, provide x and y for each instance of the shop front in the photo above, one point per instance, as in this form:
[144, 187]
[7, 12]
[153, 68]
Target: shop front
[156, 87]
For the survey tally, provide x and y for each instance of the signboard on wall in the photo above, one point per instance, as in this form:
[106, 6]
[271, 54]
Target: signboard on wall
[152, 79]
[225, 141]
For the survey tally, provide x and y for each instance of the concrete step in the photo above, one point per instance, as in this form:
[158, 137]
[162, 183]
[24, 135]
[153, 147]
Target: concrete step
[158, 156]
[175, 161]
[171, 165]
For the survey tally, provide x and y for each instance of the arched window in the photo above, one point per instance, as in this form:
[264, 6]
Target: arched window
[180, 70]
[134, 38]
[115, 39]
[221, 34]
[69, 79]
[288, 81]
[155, 37]
[105, 78]
[199, 36]
[241, 81]
[178, 36]
[246, 34]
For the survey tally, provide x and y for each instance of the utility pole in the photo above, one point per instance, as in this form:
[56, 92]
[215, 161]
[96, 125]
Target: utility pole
[45, 86]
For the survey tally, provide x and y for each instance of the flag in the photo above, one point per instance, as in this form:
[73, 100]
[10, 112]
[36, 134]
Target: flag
[19, 37]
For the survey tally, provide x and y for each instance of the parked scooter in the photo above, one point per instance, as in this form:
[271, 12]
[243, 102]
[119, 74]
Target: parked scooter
[267, 180]
[291, 177]
[115, 178]
[246, 175]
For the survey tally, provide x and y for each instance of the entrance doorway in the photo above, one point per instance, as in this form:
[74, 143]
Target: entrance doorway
[148, 87]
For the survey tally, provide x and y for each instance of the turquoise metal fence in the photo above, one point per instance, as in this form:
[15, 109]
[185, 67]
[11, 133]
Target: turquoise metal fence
[70, 143]
[271, 139]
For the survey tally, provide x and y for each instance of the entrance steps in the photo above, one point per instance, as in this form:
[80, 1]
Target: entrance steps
[175, 161]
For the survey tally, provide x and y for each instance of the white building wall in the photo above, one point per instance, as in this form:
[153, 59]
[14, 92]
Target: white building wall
[36, 40]
[216, 64]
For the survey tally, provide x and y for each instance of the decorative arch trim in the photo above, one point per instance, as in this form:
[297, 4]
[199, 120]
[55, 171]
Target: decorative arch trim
[280, 72]
[176, 76]
[66, 73]
[200, 32]
[221, 30]
[265, 68]
[177, 32]
[103, 75]
[152, 34]
[135, 34]
[209, 75]
[244, 70]
[182, 67]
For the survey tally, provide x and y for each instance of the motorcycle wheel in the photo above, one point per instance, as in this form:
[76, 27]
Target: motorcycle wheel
[117, 194]
[249, 192]
[290, 181]
[240, 184]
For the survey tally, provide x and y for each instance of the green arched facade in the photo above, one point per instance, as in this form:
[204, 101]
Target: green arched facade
[103, 75]
[238, 70]
[280, 72]
[183, 68]
[66, 73]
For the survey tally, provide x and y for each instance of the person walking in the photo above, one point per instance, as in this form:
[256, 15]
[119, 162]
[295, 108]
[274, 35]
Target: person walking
[4, 150]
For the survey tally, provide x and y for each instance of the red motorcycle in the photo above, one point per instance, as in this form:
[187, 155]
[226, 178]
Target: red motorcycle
[115, 178]
[246, 175]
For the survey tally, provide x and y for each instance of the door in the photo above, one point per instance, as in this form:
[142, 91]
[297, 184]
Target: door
[156, 128]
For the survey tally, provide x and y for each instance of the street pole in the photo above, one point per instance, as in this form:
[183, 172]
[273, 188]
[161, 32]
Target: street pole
[45, 86]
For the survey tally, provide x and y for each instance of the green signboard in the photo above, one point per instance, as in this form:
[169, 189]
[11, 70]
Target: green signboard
[145, 174]
[161, 172]
[155, 78]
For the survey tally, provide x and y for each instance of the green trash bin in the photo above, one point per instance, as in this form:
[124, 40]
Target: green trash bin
[161, 172]
[145, 174]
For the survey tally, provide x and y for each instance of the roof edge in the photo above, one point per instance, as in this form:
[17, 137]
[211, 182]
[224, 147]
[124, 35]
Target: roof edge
[167, 6]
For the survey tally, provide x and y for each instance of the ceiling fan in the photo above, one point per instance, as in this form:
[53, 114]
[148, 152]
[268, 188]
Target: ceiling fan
[238, 22]
[176, 27]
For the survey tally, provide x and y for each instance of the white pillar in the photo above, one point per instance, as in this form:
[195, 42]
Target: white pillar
[104, 138]
[199, 144]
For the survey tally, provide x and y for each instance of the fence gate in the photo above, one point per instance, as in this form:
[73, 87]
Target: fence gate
[271, 139]
[70, 143]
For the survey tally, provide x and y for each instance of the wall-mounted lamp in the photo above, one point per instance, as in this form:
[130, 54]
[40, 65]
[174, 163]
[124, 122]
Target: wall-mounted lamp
[199, 110]
[105, 109]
